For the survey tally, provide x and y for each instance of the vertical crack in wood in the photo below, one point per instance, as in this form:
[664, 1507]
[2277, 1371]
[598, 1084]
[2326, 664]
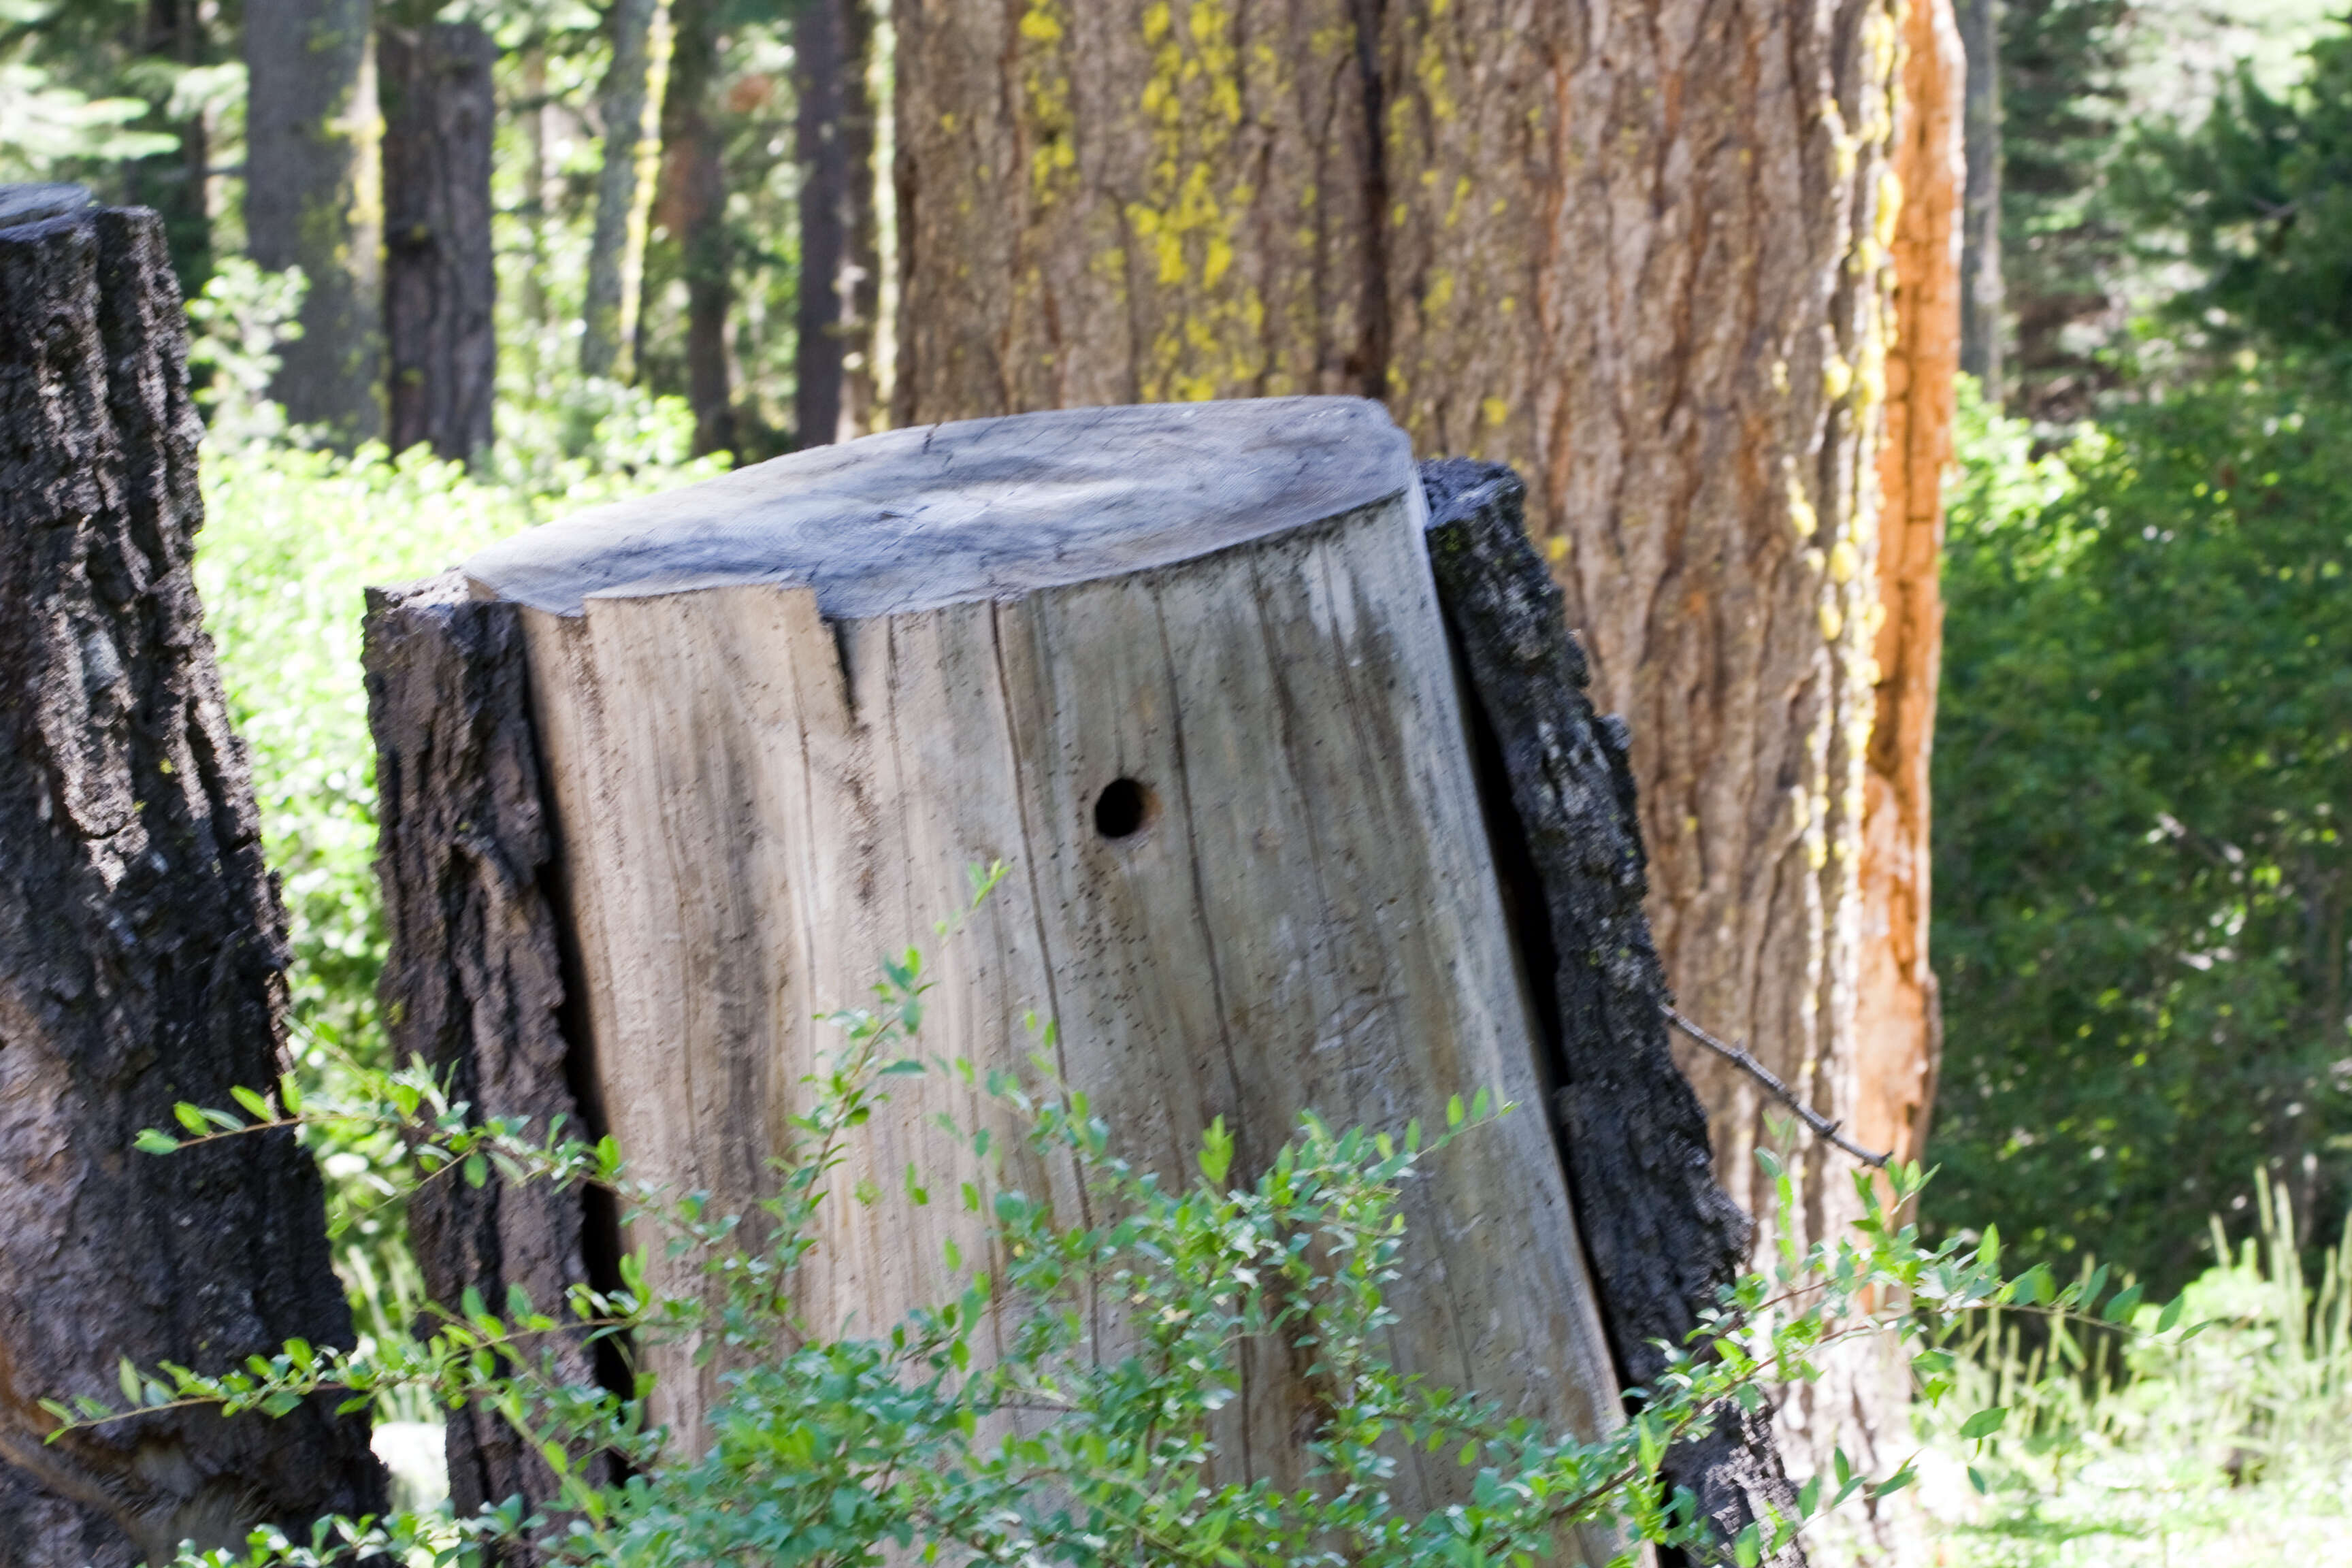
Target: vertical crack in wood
[1661, 1236]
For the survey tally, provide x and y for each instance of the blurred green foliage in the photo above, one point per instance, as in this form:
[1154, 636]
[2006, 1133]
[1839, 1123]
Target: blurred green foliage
[2256, 199]
[2143, 776]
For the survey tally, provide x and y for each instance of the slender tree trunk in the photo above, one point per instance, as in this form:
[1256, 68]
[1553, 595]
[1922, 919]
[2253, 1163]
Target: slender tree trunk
[178, 185]
[619, 235]
[692, 205]
[833, 42]
[140, 944]
[440, 276]
[1642, 250]
[310, 198]
[1980, 289]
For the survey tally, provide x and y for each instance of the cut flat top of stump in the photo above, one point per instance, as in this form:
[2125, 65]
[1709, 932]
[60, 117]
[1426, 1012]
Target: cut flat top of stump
[914, 519]
[22, 204]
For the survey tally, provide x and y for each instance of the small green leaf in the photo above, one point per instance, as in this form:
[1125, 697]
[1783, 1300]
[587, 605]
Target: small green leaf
[1771, 1163]
[251, 1102]
[1976, 1480]
[478, 1170]
[190, 1118]
[1749, 1546]
[1216, 1152]
[1984, 1422]
[128, 1376]
[1454, 1111]
[155, 1141]
[2171, 1315]
[2119, 1311]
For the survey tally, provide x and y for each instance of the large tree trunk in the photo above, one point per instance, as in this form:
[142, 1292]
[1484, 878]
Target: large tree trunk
[309, 185]
[833, 42]
[440, 283]
[692, 205]
[1980, 290]
[1642, 251]
[616, 246]
[141, 944]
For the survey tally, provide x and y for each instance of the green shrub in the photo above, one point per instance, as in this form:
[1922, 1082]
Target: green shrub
[2143, 775]
[845, 1451]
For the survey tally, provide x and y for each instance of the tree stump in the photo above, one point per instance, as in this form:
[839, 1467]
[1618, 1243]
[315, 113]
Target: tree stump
[1184, 670]
[140, 944]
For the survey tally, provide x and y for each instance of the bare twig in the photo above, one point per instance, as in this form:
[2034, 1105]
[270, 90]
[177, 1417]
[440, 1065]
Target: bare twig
[1823, 1128]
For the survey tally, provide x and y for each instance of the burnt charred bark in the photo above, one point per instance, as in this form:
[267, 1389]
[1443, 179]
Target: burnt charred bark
[440, 282]
[141, 943]
[475, 984]
[1661, 1237]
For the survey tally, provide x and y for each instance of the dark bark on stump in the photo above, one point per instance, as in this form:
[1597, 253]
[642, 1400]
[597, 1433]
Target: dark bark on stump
[475, 984]
[1661, 1235]
[440, 283]
[140, 946]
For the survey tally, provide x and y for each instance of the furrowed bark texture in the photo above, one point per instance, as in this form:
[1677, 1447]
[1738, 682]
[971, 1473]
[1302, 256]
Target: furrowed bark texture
[621, 101]
[309, 188]
[833, 43]
[1641, 250]
[440, 285]
[140, 945]
[1898, 1028]
[475, 984]
[1663, 1237]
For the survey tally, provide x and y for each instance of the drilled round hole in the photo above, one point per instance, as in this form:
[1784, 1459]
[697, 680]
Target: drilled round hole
[1122, 809]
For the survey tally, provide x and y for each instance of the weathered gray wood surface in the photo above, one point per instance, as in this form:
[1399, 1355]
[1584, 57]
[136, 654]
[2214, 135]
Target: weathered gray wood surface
[785, 712]
[141, 943]
[475, 984]
[664, 719]
[1663, 1237]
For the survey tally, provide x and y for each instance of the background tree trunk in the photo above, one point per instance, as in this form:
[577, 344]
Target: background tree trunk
[630, 82]
[692, 205]
[1980, 290]
[440, 280]
[141, 943]
[178, 185]
[833, 44]
[1642, 251]
[310, 192]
